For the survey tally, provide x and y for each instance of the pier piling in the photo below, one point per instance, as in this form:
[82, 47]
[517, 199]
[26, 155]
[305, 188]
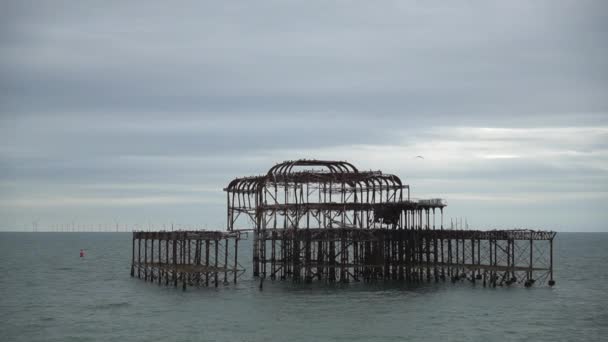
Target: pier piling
[180, 262]
[327, 220]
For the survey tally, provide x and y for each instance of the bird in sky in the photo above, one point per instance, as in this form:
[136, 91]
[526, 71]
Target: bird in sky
[421, 157]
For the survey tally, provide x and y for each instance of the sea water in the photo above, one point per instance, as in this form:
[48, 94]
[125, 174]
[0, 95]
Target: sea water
[49, 293]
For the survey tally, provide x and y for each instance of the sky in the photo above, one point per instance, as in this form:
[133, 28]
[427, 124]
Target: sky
[141, 112]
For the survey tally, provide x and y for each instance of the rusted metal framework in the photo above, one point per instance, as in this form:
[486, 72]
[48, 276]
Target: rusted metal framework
[186, 257]
[327, 220]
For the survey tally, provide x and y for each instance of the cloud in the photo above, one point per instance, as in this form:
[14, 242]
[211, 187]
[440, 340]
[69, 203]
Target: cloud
[412, 57]
[75, 202]
[527, 198]
[141, 104]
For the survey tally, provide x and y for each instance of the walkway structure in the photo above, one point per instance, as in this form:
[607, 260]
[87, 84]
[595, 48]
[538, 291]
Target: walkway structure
[186, 258]
[329, 221]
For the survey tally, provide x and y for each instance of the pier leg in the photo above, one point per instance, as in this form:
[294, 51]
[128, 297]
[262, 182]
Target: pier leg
[139, 258]
[273, 259]
[174, 261]
[152, 267]
[236, 253]
[256, 258]
[133, 256]
[146, 260]
[551, 281]
[320, 264]
[472, 261]
[226, 262]
[207, 245]
[166, 261]
[160, 261]
[216, 262]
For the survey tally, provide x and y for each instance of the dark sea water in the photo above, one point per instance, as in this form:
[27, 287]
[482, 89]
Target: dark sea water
[49, 293]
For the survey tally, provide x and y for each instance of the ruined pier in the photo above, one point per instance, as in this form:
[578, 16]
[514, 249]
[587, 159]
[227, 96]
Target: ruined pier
[329, 221]
[315, 220]
[186, 258]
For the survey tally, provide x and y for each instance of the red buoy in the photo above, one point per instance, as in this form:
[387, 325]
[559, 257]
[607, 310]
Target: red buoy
[82, 253]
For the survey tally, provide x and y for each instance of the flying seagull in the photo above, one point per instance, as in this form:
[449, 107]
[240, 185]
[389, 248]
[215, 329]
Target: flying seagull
[421, 157]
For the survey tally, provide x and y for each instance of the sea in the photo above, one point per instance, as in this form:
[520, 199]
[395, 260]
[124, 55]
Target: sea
[49, 293]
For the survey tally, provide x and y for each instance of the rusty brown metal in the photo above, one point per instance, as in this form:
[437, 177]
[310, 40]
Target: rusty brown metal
[188, 257]
[327, 220]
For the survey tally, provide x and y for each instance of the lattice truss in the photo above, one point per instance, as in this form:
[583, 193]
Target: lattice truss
[327, 220]
[189, 258]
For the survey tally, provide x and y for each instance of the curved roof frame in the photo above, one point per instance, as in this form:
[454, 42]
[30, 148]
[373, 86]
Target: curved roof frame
[365, 180]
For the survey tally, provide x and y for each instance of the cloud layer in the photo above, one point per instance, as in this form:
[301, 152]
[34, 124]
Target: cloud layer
[143, 112]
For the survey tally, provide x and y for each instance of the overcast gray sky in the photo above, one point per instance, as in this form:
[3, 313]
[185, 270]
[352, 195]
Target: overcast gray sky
[142, 111]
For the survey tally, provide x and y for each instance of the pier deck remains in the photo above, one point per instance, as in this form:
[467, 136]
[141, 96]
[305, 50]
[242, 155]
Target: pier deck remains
[315, 220]
[329, 221]
[186, 258]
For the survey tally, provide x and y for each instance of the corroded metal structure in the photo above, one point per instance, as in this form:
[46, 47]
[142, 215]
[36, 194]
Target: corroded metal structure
[329, 221]
[186, 257]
